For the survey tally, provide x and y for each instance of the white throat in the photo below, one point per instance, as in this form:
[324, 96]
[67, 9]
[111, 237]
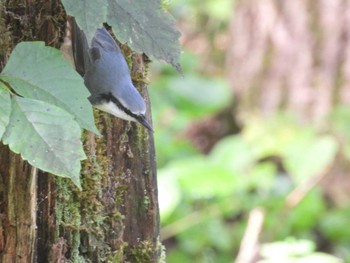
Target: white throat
[111, 108]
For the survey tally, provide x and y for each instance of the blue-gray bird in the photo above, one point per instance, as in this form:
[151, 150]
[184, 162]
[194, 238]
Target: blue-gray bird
[107, 77]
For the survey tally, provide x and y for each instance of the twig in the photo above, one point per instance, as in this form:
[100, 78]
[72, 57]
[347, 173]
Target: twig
[298, 194]
[250, 242]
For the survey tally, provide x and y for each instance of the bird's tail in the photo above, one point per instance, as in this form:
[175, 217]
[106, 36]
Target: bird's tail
[80, 47]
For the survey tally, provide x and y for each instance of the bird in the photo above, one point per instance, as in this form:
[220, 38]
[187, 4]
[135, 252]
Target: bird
[106, 75]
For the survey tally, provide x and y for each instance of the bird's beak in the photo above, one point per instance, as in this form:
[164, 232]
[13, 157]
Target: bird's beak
[142, 119]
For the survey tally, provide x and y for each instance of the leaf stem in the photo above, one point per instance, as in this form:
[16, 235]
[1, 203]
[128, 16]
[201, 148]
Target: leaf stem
[8, 87]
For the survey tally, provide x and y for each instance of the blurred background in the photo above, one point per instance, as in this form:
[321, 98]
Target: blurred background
[253, 143]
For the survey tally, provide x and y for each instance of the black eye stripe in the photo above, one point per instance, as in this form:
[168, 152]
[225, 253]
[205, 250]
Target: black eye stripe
[109, 97]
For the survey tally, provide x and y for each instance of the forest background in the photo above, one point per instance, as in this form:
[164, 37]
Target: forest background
[253, 142]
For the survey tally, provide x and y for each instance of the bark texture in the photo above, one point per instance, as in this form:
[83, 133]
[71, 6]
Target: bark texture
[46, 219]
[18, 208]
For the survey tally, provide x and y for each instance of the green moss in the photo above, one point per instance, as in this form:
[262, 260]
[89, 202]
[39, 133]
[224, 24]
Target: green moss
[118, 256]
[119, 194]
[127, 53]
[165, 5]
[146, 201]
[124, 138]
[142, 253]
[78, 259]
[75, 244]
[5, 39]
[139, 79]
[68, 214]
[146, 251]
[83, 218]
[161, 248]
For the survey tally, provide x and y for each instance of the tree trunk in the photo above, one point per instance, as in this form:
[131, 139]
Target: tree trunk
[44, 218]
[291, 55]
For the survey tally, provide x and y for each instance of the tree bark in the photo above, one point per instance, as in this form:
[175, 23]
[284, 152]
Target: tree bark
[44, 218]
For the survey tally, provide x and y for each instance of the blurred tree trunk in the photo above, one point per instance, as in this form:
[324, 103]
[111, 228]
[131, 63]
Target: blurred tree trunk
[44, 218]
[292, 56]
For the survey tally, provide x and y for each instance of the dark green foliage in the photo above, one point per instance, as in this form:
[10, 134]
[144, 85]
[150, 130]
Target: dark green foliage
[49, 105]
[142, 24]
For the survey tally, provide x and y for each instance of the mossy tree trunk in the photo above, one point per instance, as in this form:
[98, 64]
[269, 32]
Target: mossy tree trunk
[46, 219]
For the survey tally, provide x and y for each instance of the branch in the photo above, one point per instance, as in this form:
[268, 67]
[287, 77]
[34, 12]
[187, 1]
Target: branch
[250, 242]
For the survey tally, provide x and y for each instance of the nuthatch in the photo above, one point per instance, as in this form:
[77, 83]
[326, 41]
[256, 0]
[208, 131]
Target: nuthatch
[107, 77]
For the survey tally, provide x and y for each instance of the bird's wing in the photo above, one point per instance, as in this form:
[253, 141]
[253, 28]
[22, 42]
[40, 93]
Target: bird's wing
[104, 40]
[80, 48]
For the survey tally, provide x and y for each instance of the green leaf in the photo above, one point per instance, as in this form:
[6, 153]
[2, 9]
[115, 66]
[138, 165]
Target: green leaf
[335, 225]
[140, 23]
[201, 178]
[46, 136]
[39, 72]
[270, 136]
[199, 95]
[319, 257]
[294, 251]
[88, 14]
[309, 156]
[169, 195]
[288, 248]
[306, 214]
[262, 176]
[233, 153]
[146, 28]
[5, 108]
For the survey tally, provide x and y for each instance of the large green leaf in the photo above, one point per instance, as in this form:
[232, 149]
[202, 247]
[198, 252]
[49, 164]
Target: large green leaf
[308, 157]
[88, 14]
[233, 153]
[5, 108]
[142, 24]
[46, 136]
[39, 72]
[209, 178]
[146, 28]
[198, 95]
